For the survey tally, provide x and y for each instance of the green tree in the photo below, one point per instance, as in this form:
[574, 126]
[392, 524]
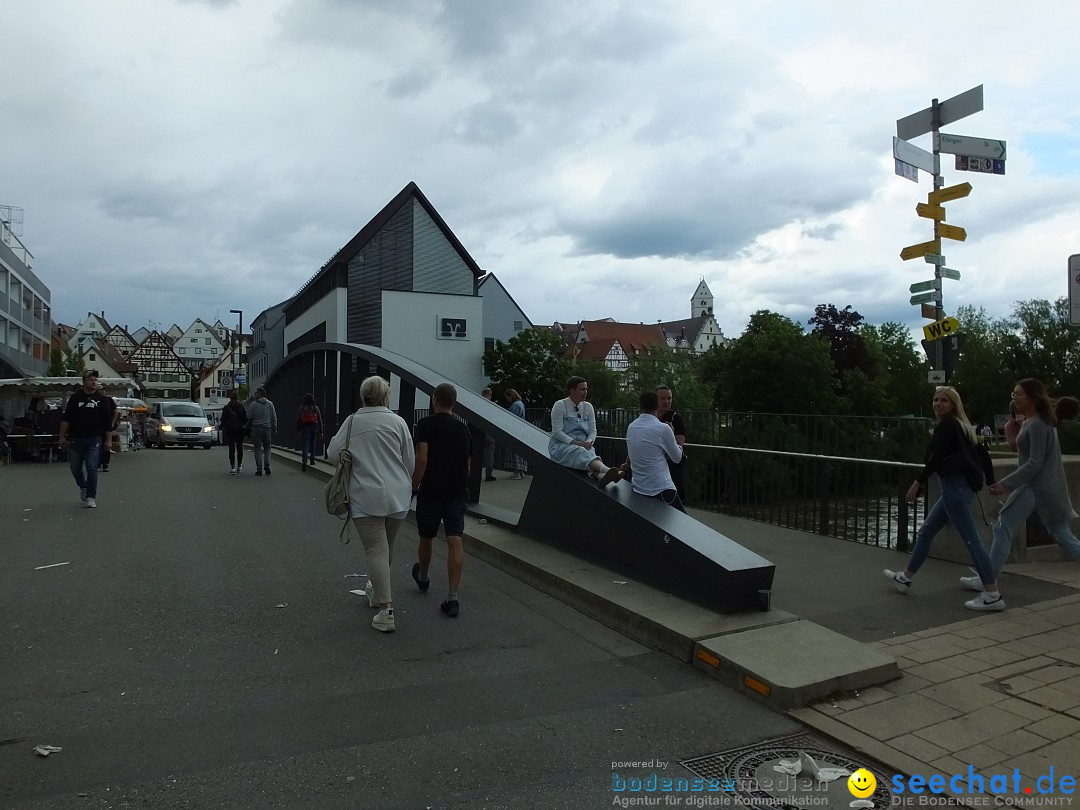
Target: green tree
[56, 362]
[677, 370]
[605, 384]
[983, 375]
[529, 362]
[74, 361]
[775, 367]
[901, 368]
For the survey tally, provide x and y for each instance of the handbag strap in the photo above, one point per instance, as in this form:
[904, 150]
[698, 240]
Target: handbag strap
[343, 535]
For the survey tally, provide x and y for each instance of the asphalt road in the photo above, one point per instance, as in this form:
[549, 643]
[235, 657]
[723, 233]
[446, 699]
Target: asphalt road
[200, 648]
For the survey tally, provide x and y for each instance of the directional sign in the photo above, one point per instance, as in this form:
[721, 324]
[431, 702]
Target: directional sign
[944, 195]
[1074, 289]
[953, 109]
[972, 147]
[977, 164]
[921, 249]
[926, 297]
[927, 211]
[906, 170]
[948, 272]
[934, 258]
[916, 156]
[952, 232]
[929, 311]
[935, 377]
[240, 378]
[939, 329]
[922, 286]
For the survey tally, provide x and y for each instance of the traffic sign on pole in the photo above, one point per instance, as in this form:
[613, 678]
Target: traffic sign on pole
[929, 311]
[978, 164]
[952, 232]
[934, 258]
[944, 195]
[926, 297]
[949, 111]
[939, 329]
[972, 147]
[907, 171]
[921, 249]
[1074, 289]
[922, 286]
[928, 211]
[948, 272]
[915, 156]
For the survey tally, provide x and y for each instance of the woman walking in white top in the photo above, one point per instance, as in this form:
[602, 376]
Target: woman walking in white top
[380, 488]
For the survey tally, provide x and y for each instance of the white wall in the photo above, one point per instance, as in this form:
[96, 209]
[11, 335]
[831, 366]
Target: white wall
[331, 309]
[409, 327]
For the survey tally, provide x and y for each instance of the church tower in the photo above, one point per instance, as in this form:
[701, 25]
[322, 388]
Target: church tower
[702, 302]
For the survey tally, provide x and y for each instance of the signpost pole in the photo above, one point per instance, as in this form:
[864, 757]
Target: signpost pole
[939, 182]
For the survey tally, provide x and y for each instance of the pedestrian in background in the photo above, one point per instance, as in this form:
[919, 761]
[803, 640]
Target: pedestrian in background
[309, 425]
[262, 421]
[962, 466]
[85, 421]
[114, 423]
[1067, 410]
[1039, 482]
[380, 488]
[1012, 427]
[666, 414]
[489, 446]
[517, 408]
[651, 448]
[441, 481]
[233, 419]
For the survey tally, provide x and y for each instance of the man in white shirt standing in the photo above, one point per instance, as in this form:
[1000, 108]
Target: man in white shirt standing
[651, 444]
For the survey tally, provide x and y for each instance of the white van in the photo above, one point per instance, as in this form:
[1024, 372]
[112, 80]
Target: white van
[178, 423]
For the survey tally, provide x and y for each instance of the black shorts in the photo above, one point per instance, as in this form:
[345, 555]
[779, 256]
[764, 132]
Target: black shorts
[430, 513]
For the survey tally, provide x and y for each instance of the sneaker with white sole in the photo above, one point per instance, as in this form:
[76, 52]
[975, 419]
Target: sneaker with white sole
[986, 601]
[91, 503]
[82, 494]
[899, 581]
[972, 583]
[232, 471]
[369, 592]
[384, 621]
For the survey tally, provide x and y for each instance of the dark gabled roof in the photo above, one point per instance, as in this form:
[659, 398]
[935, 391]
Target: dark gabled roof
[365, 234]
[112, 356]
[693, 327]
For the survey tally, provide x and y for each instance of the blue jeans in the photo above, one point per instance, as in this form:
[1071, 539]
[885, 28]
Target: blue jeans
[83, 455]
[308, 434]
[954, 506]
[1013, 516]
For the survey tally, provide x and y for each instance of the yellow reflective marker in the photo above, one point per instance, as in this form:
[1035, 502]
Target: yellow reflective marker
[757, 686]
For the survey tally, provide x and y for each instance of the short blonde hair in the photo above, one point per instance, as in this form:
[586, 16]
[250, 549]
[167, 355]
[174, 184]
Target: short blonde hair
[375, 391]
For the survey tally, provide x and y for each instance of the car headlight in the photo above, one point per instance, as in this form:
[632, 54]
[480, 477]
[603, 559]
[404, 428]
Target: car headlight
[166, 428]
[208, 429]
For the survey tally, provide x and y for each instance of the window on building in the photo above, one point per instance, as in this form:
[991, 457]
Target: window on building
[207, 341]
[213, 351]
[198, 351]
[153, 377]
[194, 340]
[198, 331]
[518, 326]
[209, 392]
[489, 344]
[92, 357]
[165, 393]
[182, 350]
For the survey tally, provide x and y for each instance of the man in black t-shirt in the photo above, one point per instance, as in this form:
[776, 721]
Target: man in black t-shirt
[666, 414]
[86, 420]
[441, 484]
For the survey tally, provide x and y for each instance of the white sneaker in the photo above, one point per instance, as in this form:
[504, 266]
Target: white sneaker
[82, 494]
[239, 468]
[232, 471]
[384, 620]
[972, 583]
[91, 503]
[369, 592]
[986, 601]
[898, 580]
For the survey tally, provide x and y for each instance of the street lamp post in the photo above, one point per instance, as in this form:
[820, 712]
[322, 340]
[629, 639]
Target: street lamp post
[238, 352]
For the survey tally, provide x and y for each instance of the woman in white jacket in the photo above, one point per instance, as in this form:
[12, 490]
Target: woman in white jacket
[380, 488]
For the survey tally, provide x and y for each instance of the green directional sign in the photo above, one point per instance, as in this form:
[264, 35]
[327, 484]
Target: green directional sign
[922, 286]
[934, 258]
[926, 297]
[948, 272]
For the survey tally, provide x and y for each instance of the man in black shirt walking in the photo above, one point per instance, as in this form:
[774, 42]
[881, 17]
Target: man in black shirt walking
[441, 481]
[86, 420]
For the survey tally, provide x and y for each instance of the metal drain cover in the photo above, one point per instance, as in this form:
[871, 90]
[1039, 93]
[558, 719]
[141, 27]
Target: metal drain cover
[749, 775]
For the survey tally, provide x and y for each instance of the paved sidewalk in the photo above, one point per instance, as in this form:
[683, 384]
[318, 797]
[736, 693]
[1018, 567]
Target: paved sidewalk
[996, 691]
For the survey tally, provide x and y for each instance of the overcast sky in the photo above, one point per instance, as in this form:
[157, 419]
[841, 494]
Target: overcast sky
[180, 158]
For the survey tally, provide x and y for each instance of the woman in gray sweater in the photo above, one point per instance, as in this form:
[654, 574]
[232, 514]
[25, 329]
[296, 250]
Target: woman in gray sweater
[1038, 483]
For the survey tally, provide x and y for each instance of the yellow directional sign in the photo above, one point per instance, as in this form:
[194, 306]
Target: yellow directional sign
[928, 211]
[944, 195]
[939, 329]
[952, 232]
[921, 249]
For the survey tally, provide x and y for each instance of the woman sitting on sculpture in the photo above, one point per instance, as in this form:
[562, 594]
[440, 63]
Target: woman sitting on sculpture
[573, 431]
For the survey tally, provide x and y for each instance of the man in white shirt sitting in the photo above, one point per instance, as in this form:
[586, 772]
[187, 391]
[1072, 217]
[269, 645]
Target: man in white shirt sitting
[650, 444]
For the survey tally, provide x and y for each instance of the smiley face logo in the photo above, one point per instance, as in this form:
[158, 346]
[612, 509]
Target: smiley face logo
[861, 783]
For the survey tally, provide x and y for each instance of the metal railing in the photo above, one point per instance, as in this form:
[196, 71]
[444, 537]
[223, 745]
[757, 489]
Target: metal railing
[860, 500]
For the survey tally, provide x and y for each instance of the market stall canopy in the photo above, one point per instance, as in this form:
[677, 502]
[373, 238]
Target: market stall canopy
[47, 387]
